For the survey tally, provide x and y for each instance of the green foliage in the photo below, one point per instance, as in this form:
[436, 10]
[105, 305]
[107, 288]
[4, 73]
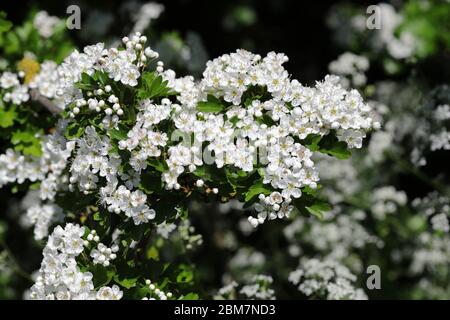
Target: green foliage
[429, 24]
[26, 142]
[7, 117]
[211, 105]
[15, 40]
[153, 86]
[328, 144]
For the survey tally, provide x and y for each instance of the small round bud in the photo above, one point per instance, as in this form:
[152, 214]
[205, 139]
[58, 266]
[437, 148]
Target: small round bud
[199, 183]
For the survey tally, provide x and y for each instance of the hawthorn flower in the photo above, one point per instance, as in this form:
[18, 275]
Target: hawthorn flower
[8, 80]
[61, 278]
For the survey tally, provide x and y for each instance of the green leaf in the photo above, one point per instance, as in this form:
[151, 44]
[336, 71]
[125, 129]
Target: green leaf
[256, 189]
[120, 134]
[74, 130]
[101, 275]
[190, 296]
[312, 141]
[310, 191]
[97, 216]
[209, 106]
[183, 213]
[151, 182]
[339, 150]
[152, 86]
[127, 283]
[152, 253]
[5, 25]
[27, 143]
[101, 77]
[7, 117]
[332, 146]
[159, 165]
[319, 208]
[185, 276]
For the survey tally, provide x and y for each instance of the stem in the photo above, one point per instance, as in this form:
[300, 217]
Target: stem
[45, 102]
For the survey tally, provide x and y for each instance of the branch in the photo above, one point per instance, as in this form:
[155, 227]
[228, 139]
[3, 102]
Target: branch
[45, 102]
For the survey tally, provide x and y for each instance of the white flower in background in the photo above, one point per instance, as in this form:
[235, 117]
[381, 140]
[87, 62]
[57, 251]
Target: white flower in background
[45, 24]
[440, 141]
[8, 80]
[147, 12]
[386, 200]
[327, 279]
[351, 68]
[398, 47]
[42, 216]
[259, 288]
[430, 254]
[439, 222]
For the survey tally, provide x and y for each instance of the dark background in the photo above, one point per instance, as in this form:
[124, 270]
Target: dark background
[296, 28]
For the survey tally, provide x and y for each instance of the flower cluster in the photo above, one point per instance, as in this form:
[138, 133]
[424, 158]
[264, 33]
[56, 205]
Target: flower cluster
[48, 169]
[142, 141]
[45, 24]
[42, 77]
[15, 167]
[118, 148]
[156, 293]
[351, 68]
[329, 278]
[386, 200]
[103, 255]
[431, 254]
[146, 13]
[400, 47]
[41, 217]
[295, 112]
[335, 237]
[437, 208]
[17, 92]
[259, 288]
[60, 276]
[233, 137]
[441, 140]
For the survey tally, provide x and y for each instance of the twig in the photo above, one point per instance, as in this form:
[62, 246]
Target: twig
[45, 102]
